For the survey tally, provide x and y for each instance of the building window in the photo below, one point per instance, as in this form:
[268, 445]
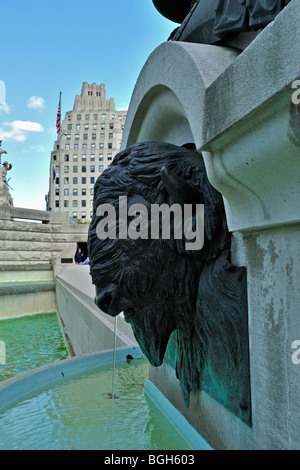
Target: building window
[66, 192]
[102, 135]
[109, 145]
[56, 192]
[75, 158]
[75, 180]
[91, 202]
[94, 127]
[67, 146]
[113, 116]
[92, 157]
[103, 117]
[76, 136]
[56, 203]
[66, 169]
[103, 126]
[86, 127]
[57, 169]
[74, 215]
[83, 158]
[56, 180]
[110, 135]
[83, 169]
[75, 169]
[111, 125]
[66, 158]
[83, 192]
[100, 168]
[75, 146]
[101, 146]
[75, 203]
[69, 127]
[77, 127]
[101, 157]
[93, 136]
[83, 203]
[93, 146]
[83, 180]
[84, 146]
[75, 191]
[78, 117]
[109, 156]
[92, 192]
[66, 203]
[92, 168]
[68, 136]
[87, 117]
[83, 215]
[54, 158]
[66, 180]
[92, 179]
[85, 137]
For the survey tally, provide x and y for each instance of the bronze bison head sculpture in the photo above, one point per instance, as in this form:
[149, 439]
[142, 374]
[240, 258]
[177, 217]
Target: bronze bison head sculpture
[162, 287]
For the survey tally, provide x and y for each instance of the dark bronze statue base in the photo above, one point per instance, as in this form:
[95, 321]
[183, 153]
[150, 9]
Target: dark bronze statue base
[215, 21]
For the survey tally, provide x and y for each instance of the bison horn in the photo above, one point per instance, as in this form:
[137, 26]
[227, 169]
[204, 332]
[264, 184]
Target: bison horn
[179, 190]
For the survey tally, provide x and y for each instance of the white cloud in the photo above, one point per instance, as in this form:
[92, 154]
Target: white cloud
[28, 126]
[18, 130]
[35, 149]
[4, 108]
[36, 102]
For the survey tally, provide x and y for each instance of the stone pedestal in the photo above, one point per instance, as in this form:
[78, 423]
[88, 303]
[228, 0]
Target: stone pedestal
[238, 111]
[5, 197]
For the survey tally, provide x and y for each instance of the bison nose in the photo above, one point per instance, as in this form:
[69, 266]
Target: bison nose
[104, 299]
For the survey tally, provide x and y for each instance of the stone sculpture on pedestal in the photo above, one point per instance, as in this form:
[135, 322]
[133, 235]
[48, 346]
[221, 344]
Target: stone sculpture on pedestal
[5, 197]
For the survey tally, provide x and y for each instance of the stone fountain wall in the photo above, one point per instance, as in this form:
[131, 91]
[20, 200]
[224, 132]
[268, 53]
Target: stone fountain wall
[240, 110]
[30, 236]
[35, 246]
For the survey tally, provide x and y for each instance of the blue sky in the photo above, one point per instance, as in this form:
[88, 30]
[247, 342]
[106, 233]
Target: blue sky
[52, 46]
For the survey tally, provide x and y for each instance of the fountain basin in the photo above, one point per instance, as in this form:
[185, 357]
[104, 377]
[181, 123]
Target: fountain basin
[31, 341]
[68, 405]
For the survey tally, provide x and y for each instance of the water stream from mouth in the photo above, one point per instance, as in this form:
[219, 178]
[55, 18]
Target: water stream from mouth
[113, 379]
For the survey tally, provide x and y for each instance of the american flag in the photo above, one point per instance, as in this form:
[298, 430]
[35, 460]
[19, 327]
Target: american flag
[58, 115]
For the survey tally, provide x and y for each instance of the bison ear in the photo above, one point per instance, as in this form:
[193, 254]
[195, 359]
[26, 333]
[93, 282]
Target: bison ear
[179, 190]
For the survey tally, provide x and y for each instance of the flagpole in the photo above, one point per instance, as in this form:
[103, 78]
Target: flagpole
[53, 187]
[60, 169]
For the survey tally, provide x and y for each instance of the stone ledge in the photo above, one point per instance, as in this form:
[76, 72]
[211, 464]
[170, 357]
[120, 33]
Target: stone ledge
[262, 71]
[27, 289]
[26, 267]
[161, 108]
